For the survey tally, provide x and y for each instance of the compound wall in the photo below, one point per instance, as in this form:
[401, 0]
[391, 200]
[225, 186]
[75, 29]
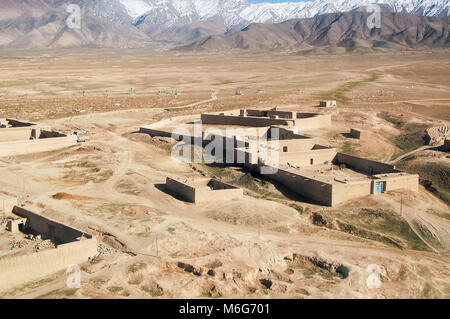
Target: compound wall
[16, 270]
[307, 122]
[345, 191]
[34, 146]
[282, 114]
[364, 165]
[308, 158]
[7, 204]
[17, 130]
[203, 192]
[48, 228]
[309, 188]
[14, 134]
[401, 181]
[350, 190]
[19, 269]
[297, 145]
[243, 120]
[184, 190]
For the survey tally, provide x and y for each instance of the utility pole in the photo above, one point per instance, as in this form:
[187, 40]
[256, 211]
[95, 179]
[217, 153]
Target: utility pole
[401, 206]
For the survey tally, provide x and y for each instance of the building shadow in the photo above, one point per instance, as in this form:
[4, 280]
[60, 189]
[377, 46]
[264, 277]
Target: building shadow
[285, 191]
[163, 188]
[347, 135]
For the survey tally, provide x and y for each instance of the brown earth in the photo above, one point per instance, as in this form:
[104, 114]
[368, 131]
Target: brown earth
[265, 245]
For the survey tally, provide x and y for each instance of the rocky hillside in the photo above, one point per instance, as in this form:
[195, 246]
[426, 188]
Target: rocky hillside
[334, 32]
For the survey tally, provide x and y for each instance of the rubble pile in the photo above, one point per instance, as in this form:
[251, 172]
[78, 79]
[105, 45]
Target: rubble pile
[438, 134]
[31, 239]
[104, 250]
[15, 244]
[44, 244]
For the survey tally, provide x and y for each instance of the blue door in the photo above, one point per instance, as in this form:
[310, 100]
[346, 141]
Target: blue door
[378, 188]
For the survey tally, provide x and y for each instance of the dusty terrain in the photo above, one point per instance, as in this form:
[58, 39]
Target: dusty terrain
[271, 243]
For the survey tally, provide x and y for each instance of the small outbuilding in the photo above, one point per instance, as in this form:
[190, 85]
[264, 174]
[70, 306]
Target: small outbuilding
[14, 225]
[203, 190]
[329, 103]
[358, 133]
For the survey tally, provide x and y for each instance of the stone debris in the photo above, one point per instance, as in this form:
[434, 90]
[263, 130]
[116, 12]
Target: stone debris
[44, 244]
[198, 271]
[104, 250]
[32, 239]
[438, 134]
[15, 244]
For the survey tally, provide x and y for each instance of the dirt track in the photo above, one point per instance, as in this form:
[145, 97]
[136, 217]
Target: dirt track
[120, 173]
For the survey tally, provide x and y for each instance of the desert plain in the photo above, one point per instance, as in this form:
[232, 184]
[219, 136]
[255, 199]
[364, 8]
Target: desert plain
[272, 243]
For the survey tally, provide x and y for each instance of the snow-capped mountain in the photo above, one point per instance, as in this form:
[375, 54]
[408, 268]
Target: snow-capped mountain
[334, 32]
[238, 12]
[150, 23]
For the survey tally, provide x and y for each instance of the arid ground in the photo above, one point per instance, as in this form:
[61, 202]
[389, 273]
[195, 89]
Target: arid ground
[269, 244]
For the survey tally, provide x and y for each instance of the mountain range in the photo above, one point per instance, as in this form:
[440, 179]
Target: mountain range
[334, 33]
[215, 24]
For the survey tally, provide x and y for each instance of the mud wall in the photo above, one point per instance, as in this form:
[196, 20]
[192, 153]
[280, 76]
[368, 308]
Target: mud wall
[203, 195]
[14, 134]
[313, 122]
[282, 114]
[314, 190]
[358, 134]
[35, 146]
[7, 204]
[284, 134]
[18, 270]
[297, 145]
[48, 228]
[364, 165]
[342, 192]
[215, 184]
[407, 181]
[251, 112]
[304, 158]
[185, 191]
[243, 120]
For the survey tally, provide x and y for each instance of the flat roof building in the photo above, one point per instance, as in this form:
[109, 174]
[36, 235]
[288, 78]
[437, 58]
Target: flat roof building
[203, 190]
[302, 164]
[18, 138]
